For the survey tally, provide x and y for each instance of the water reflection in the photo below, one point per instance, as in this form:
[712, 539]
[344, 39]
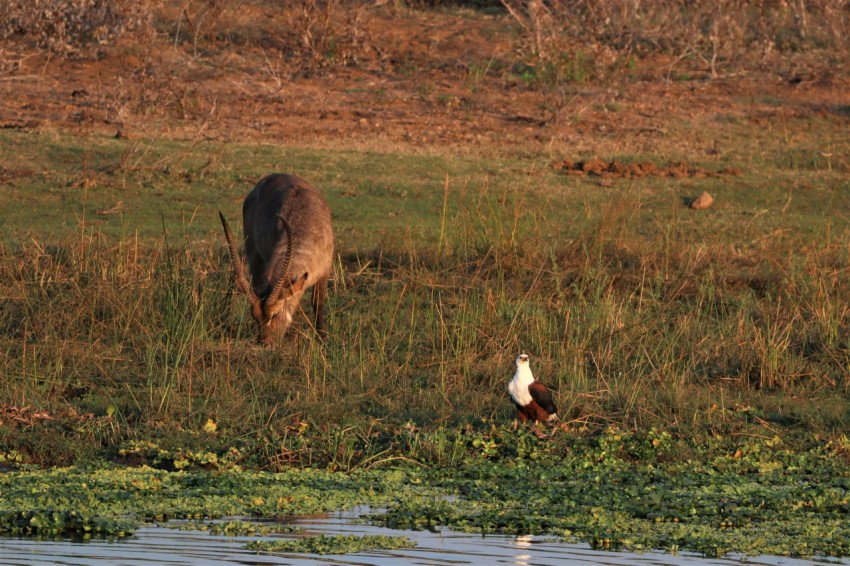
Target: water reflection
[523, 542]
[159, 545]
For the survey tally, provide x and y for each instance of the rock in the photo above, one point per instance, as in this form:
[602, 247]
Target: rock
[702, 202]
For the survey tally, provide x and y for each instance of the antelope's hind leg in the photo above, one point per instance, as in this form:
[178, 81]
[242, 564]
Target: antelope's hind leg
[320, 294]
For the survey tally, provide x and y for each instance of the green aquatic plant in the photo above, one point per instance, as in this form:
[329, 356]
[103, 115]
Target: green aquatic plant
[622, 489]
[416, 514]
[50, 521]
[11, 457]
[154, 455]
[634, 491]
[115, 501]
[340, 544]
[235, 527]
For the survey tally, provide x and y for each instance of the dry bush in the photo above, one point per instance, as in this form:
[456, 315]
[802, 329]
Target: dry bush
[66, 26]
[303, 33]
[327, 34]
[721, 35]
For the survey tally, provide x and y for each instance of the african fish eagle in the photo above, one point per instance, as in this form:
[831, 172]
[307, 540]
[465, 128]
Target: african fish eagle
[533, 400]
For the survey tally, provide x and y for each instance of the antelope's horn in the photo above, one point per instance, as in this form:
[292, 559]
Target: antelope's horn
[283, 277]
[241, 280]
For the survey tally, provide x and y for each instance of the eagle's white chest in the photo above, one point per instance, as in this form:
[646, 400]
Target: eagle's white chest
[518, 386]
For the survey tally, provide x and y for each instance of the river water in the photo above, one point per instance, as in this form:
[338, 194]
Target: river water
[156, 545]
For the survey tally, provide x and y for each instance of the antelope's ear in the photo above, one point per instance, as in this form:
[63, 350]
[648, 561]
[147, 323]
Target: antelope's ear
[297, 285]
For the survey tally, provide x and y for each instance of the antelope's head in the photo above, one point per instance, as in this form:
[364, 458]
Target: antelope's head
[273, 312]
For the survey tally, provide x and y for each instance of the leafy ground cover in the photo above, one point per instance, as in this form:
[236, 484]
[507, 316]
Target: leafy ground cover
[114, 501]
[620, 490]
[628, 491]
[339, 544]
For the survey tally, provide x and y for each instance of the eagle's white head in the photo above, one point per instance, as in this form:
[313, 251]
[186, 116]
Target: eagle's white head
[522, 361]
[518, 386]
[523, 370]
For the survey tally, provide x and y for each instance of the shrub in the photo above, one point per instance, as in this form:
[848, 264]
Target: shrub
[66, 26]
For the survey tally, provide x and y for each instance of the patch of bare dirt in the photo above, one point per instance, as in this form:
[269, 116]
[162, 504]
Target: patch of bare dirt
[618, 169]
[392, 78]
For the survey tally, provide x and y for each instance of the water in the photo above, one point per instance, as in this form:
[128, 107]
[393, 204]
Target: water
[154, 545]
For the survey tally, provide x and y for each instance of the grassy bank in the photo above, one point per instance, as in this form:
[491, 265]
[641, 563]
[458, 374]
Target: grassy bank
[119, 321]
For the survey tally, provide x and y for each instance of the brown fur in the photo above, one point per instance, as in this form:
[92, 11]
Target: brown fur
[283, 212]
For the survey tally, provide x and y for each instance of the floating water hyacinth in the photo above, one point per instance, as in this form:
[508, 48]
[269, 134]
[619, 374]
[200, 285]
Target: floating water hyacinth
[340, 544]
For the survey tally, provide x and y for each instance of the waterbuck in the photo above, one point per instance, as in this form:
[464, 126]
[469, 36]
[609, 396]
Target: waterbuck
[289, 243]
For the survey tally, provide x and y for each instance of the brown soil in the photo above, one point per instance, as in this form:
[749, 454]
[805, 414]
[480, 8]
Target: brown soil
[617, 169]
[433, 79]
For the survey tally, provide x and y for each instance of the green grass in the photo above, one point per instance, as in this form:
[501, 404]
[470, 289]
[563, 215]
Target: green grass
[707, 349]
[635, 309]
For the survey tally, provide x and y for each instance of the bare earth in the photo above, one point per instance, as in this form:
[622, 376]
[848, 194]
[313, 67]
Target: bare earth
[432, 80]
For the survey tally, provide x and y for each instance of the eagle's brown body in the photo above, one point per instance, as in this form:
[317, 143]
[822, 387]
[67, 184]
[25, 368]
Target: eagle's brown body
[533, 400]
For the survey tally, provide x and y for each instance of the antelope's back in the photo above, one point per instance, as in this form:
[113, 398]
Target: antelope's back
[308, 216]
